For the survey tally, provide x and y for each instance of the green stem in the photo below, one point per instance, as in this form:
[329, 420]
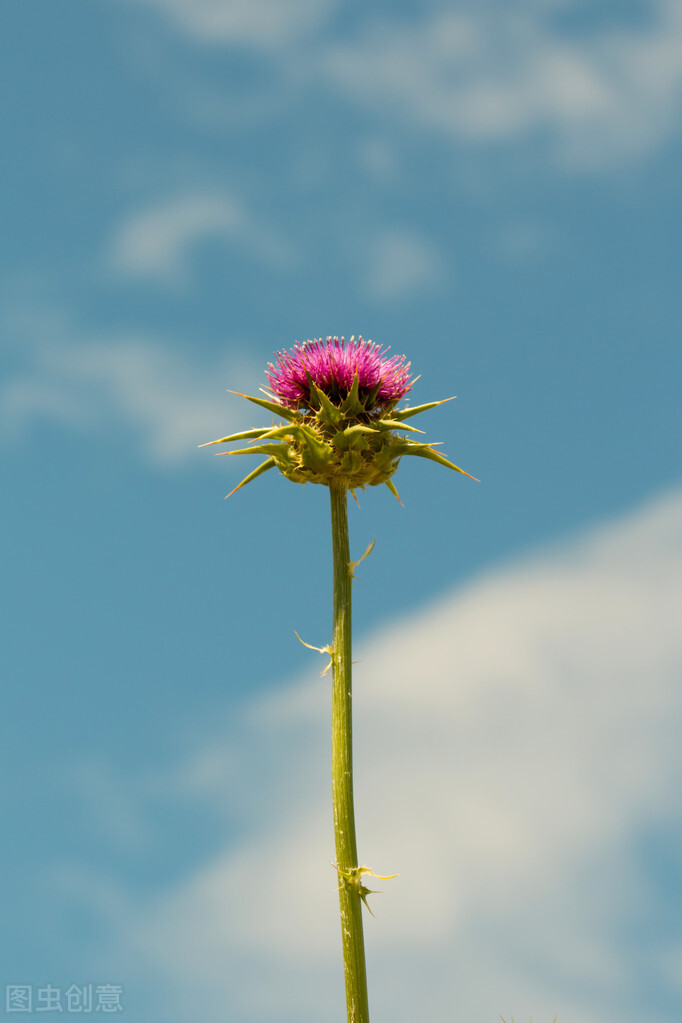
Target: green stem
[342, 767]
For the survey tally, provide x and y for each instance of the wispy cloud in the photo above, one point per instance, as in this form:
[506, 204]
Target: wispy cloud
[516, 743]
[399, 263]
[158, 242]
[522, 241]
[484, 74]
[260, 23]
[491, 74]
[103, 383]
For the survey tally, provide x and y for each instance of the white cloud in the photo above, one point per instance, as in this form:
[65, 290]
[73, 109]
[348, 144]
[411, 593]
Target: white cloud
[482, 74]
[523, 240]
[495, 73]
[98, 384]
[379, 158]
[157, 242]
[259, 23]
[398, 264]
[514, 742]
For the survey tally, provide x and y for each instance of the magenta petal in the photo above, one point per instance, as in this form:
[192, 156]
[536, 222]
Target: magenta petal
[332, 365]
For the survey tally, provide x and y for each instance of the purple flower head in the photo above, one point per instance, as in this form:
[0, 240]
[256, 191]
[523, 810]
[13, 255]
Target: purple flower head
[332, 365]
[342, 424]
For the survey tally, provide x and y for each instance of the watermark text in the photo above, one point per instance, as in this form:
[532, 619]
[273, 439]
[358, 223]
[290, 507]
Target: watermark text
[76, 998]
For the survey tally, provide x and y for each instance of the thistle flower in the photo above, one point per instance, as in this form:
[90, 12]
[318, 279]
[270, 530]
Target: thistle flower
[342, 426]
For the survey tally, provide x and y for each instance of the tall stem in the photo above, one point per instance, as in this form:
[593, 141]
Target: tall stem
[342, 768]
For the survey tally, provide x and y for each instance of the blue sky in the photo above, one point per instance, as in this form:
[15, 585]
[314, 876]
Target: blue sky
[494, 190]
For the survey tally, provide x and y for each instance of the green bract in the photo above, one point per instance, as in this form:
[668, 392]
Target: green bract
[355, 444]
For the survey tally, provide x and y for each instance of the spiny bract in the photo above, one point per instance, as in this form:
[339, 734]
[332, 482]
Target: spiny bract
[342, 425]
